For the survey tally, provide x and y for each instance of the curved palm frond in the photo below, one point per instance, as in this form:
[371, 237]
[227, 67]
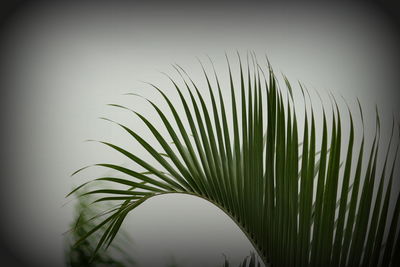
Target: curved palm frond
[266, 170]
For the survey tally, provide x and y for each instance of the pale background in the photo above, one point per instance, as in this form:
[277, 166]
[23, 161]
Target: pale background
[62, 63]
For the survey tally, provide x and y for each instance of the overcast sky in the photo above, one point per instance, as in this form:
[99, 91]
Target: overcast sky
[62, 63]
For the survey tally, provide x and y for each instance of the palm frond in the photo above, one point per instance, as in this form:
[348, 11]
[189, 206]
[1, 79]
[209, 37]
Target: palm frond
[279, 178]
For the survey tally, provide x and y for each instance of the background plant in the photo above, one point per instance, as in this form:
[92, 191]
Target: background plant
[282, 187]
[87, 216]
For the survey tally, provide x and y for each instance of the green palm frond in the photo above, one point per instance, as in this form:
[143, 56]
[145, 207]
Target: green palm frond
[279, 178]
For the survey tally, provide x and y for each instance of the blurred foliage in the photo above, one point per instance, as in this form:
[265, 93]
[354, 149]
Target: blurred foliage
[249, 261]
[87, 215]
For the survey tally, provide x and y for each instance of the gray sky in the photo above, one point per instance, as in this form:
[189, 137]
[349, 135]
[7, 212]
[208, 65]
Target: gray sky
[62, 63]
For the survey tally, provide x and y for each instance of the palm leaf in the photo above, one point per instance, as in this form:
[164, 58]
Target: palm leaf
[293, 201]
